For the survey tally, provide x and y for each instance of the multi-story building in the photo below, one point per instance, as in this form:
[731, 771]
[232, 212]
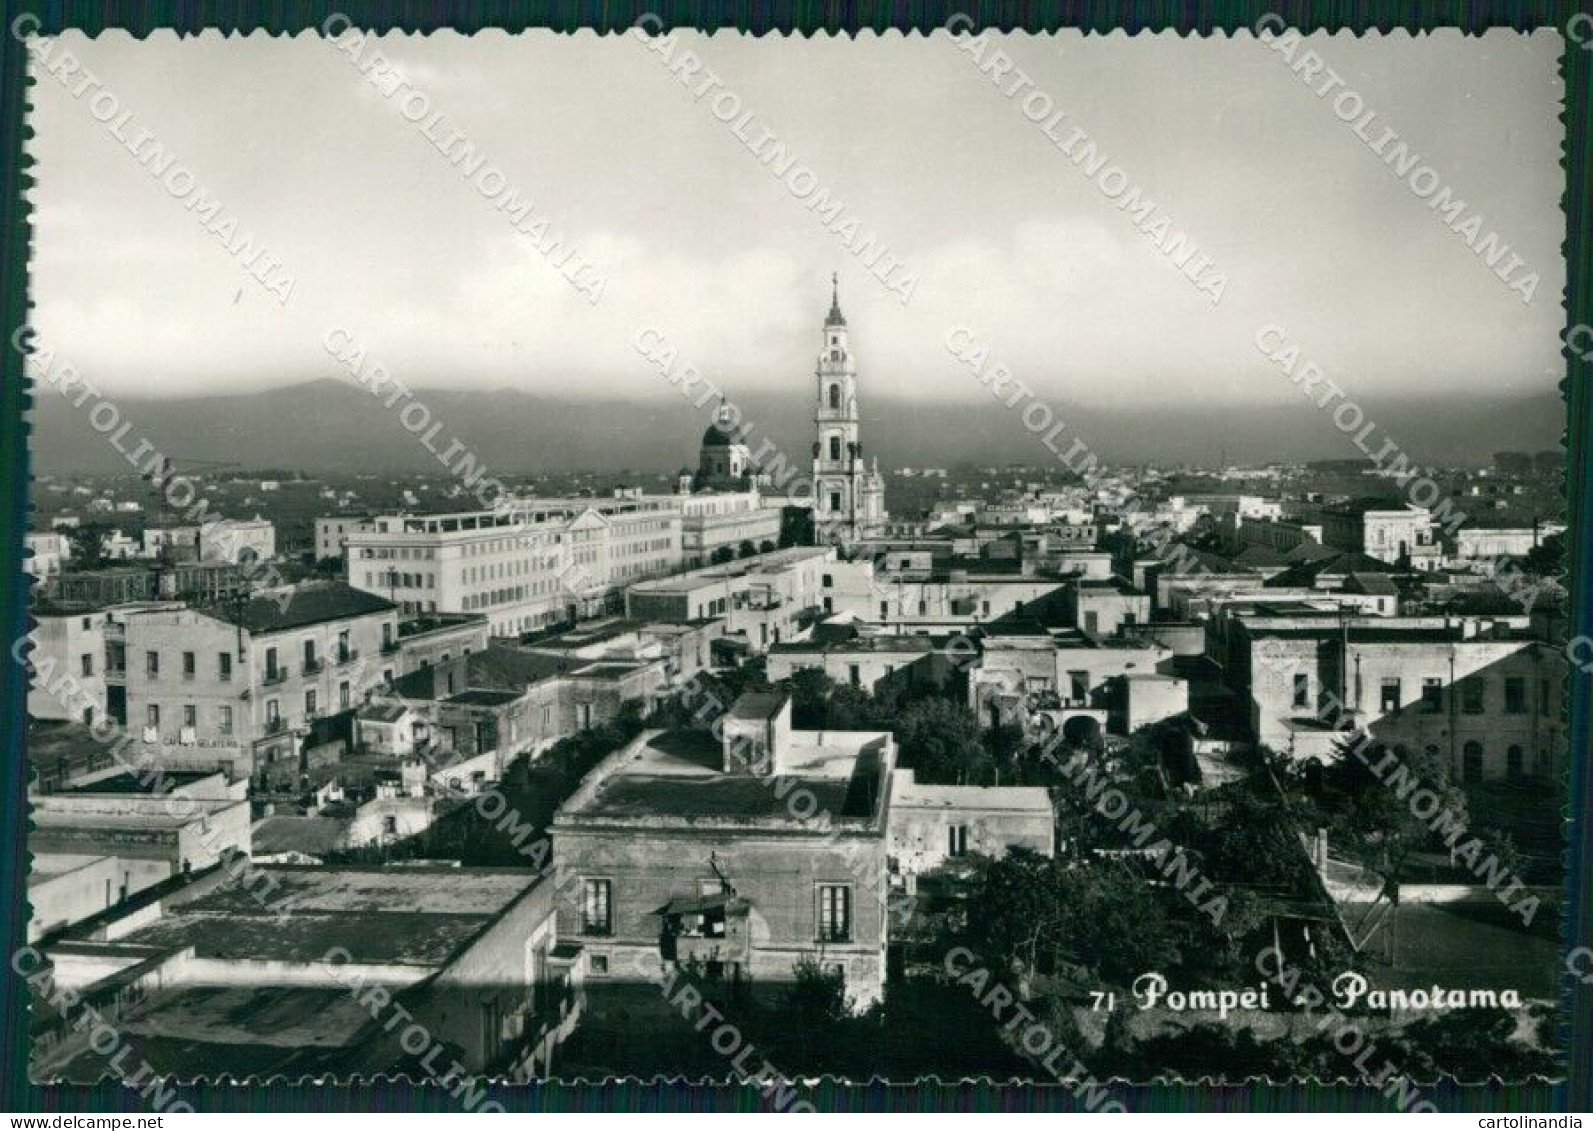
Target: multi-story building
[1472, 543]
[486, 708]
[950, 597]
[686, 647]
[172, 543]
[877, 661]
[933, 825]
[278, 973]
[1399, 535]
[748, 855]
[1103, 607]
[437, 638]
[849, 494]
[1279, 534]
[331, 533]
[1059, 679]
[238, 540]
[103, 840]
[47, 551]
[526, 565]
[713, 523]
[237, 685]
[1483, 693]
[787, 579]
[67, 639]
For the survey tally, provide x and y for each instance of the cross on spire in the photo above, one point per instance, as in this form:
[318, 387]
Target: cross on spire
[835, 317]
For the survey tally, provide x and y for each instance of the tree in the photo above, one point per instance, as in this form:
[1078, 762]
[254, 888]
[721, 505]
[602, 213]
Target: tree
[1546, 557]
[722, 555]
[1249, 841]
[1472, 1045]
[1003, 745]
[767, 547]
[88, 544]
[810, 698]
[1373, 810]
[1098, 920]
[940, 741]
[747, 549]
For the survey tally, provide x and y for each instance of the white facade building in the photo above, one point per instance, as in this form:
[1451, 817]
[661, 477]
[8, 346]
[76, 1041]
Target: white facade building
[526, 565]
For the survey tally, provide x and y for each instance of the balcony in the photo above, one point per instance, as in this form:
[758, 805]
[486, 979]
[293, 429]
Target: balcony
[347, 655]
[389, 647]
[276, 726]
[310, 667]
[274, 675]
[708, 948]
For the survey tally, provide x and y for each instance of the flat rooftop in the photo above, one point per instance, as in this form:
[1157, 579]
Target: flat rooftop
[130, 783]
[406, 917]
[771, 562]
[1007, 798]
[240, 1031]
[675, 777]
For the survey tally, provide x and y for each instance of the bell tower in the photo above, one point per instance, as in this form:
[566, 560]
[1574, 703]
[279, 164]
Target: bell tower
[848, 498]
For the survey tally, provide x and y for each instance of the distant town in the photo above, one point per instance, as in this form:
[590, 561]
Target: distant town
[866, 767]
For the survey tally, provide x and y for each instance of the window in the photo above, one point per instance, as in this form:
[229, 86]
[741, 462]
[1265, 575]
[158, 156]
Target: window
[152, 715]
[1079, 687]
[1515, 762]
[152, 664]
[597, 964]
[188, 665]
[1515, 695]
[224, 665]
[224, 720]
[190, 715]
[1432, 695]
[1302, 690]
[1388, 697]
[309, 655]
[309, 701]
[273, 713]
[1471, 762]
[835, 913]
[271, 663]
[854, 675]
[828, 581]
[343, 696]
[88, 663]
[835, 500]
[957, 840]
[1471, 696]
[835, 396]
[597, 909]
[835, 447]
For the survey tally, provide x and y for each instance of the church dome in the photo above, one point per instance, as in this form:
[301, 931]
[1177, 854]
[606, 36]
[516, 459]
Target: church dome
[718, 436]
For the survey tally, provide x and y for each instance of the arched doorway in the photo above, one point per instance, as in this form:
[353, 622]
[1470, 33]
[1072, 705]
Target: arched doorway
[1081, 730]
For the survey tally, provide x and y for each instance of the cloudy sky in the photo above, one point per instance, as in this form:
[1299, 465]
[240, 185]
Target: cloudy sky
[697, 239]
